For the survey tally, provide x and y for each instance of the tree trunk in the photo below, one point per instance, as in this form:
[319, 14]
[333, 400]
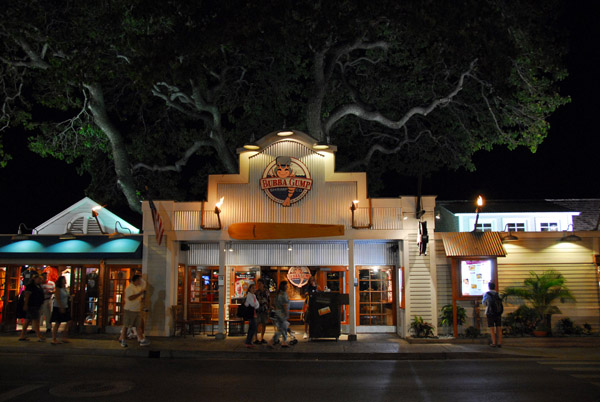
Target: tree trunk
[119, 152]
[223, 151]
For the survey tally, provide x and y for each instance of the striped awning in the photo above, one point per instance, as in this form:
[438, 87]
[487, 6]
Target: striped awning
[473, 244]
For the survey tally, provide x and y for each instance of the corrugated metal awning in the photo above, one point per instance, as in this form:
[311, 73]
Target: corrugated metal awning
[470, 244]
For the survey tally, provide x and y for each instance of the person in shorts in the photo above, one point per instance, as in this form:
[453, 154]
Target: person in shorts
[262, 314]
[494, 320]
[132, 315]
[46, 311]
[33, 298]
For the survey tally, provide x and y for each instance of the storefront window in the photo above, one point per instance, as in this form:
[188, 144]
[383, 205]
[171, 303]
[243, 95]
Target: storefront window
[375, 296]
[204, 290]
[2, 291]
[118, 281]
[91, 296]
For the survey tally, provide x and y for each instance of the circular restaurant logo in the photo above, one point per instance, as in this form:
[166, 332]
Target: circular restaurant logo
[298, 276]
[286, 180]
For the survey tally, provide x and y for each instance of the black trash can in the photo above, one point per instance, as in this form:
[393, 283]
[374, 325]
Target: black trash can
[324, 315]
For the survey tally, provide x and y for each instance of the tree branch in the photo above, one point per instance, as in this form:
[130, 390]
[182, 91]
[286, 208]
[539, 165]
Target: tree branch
[177, 167]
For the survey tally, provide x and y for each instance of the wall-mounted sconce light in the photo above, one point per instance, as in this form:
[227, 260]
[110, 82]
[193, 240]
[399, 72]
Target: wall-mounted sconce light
[116, 234]
[230, 249]
[569, 238]
[69, 234]
[509, 237]
[479, 204]
[321, 145]
[438, 216]
[217, 212]
[20, 232]
[353, 208]
[289, 246]
[285, 133]
[251, 145]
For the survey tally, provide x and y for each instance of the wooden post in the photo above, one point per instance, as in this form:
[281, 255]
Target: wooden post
[454, 296]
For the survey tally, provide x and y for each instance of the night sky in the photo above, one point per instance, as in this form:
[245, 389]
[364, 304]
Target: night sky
[33, 189]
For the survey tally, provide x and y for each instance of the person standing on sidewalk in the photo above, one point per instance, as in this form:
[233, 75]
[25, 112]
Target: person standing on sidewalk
[493, 312]
[282, 303]
[33, 297]
[46, 311]
[252, 304]
[262, 314]
[62, 310]
[132, 316]
[309, 289]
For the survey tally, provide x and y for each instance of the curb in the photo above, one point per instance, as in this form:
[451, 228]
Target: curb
[260, 355]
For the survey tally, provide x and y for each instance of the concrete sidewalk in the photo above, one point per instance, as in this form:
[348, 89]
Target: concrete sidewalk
[367, 347]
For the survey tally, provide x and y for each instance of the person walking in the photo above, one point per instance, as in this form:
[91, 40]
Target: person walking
[61, 311]
[262, 314]
[493, 312]
[33, 298]
[282, 303]
[251, 304]
[46, 311]
[132, 311]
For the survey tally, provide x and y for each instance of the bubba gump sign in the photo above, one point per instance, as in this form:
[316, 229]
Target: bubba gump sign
[298, 276]
[286, 180]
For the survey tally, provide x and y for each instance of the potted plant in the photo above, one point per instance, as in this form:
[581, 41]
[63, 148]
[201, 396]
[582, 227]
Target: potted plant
[420, 328]
[541, 291]
[541, 329]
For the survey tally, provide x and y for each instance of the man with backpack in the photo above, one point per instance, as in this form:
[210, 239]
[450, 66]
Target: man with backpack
[493, 311]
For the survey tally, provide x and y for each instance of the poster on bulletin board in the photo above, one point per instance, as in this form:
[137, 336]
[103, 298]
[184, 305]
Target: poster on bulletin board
[475, 276]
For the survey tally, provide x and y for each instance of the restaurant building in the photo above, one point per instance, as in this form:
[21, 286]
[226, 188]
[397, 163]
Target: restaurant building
[93, 248]
[288, 215]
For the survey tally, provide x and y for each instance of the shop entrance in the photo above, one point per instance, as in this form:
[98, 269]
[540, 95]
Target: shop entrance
[376, 297]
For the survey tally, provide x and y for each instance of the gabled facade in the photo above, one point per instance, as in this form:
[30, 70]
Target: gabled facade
[287, 215]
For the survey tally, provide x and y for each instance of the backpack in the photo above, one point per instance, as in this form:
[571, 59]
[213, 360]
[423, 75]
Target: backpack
[495, 306]
[241, 311]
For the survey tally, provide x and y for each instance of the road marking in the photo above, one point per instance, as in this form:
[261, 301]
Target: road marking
[7, 396]
[576, 368]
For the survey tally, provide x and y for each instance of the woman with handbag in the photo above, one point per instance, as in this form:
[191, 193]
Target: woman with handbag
[252, 305]
[61, 311]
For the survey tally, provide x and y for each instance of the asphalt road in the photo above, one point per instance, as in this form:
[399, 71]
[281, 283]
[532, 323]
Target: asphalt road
[56, 378]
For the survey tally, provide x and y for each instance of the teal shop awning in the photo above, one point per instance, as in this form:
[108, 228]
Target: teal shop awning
[85, 247]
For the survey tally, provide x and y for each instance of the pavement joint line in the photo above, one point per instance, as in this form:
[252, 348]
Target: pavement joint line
[572, 362]
[13, 393]
[576, 368]
[586, 375]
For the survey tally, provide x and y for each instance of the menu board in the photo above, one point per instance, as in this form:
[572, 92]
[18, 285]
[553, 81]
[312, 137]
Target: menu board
[243, 280]
[475, 276]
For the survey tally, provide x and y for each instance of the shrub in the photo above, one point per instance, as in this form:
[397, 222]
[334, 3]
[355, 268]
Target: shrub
[447, 316]
[587, 329]
[520, 322]
[472, 332]
[420, 328]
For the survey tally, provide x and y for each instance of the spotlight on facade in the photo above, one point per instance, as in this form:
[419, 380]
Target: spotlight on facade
[319, 146]
[252, 145]
[570, 238]
[509, 237]
[285, 133]
[289, 246]
[20, 234]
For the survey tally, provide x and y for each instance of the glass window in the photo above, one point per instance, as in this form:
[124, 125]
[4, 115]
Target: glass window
[375, 296]
[204, 290]
[516, 227]
[484, 227]
[548, 227]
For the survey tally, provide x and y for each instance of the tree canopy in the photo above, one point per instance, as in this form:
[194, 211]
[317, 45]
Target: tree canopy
[161, 93]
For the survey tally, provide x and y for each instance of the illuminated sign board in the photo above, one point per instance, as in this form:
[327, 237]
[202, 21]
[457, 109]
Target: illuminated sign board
[475, 276]
[286, 180]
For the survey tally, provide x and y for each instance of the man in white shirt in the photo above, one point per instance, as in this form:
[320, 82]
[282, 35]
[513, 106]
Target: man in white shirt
[132, 315]
[46, 310]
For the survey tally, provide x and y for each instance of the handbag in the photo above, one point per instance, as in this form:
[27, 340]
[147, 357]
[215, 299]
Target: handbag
[242, 310]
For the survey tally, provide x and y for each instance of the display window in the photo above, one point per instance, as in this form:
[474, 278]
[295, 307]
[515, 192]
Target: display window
[2, 291]
[474, 275]
[203, 291]
[118, 280]
[375, 295]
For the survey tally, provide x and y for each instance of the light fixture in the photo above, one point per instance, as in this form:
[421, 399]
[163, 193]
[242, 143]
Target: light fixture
[285, 133]
[438, 216]
[479, 204]
[319, 146]
[289, 246]
[217, 212]
[95, 215]
[569, 238]
[230, 247]
[116, 234]
[69, 235]
[509, 237]
[252, 145]
[20, 235]
[354, 207]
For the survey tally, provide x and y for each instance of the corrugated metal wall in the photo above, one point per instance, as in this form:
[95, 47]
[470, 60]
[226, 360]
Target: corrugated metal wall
[443, 281]
[369, 252]
[419, 285]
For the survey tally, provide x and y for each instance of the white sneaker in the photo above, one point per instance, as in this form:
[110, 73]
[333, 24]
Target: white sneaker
[305, 336]
[145, 342]
[123, 344]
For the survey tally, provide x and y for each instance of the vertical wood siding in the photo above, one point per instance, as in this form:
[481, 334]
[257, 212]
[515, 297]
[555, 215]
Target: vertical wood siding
[420, 287]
